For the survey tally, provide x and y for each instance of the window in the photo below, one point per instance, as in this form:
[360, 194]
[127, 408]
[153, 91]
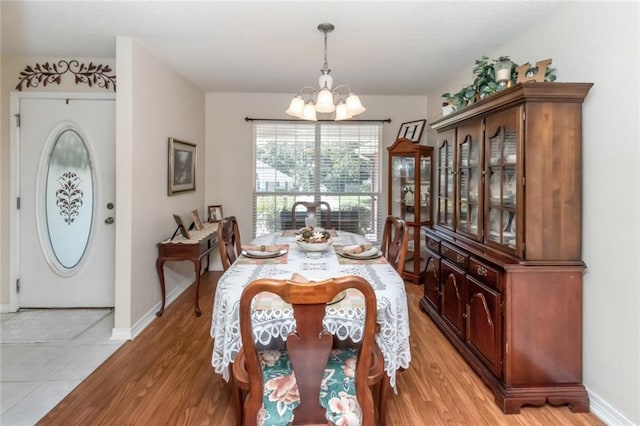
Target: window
[336, 163]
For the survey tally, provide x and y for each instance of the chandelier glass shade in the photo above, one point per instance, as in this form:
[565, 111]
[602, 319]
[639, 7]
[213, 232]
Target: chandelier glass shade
[325, 99]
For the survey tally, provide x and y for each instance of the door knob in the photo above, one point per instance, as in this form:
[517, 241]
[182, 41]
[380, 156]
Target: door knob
[108, 220]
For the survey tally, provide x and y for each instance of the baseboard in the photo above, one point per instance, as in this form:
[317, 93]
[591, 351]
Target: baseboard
[120, 334]
[4, 308]
[606, 412]
[151, 314]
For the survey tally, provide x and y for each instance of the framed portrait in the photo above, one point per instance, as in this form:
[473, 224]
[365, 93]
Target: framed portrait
[215, 213]
[182, 166]
[412, 130]
[181, 227]
[197, 223]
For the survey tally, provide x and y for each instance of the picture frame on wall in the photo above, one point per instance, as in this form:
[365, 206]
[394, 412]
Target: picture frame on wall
[412, 130]
[182, 166]
[215, 213]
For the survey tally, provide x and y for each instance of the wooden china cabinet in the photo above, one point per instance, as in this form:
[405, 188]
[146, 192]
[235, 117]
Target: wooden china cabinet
[503, 273]
[411, 198]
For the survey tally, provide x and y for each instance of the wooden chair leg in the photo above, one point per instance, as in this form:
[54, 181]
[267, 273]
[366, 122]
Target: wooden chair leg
[237, 400]
[385, 386]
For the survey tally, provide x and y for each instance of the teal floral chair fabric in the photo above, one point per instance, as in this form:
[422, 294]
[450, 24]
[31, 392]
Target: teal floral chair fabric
[337, 393]
[328, 384]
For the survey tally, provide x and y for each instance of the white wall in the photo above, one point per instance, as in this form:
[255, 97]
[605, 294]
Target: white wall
[230, 142]
[154, 103]
[598, 42]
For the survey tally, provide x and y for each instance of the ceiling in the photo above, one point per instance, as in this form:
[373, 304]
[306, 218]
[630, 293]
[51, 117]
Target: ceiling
[377, 48]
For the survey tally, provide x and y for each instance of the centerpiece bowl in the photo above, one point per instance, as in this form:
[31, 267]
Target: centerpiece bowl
[311, 240]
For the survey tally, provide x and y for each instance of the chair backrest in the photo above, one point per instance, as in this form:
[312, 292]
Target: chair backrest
[229, 244]
[312, 208]
[309, 346]
[395, 241]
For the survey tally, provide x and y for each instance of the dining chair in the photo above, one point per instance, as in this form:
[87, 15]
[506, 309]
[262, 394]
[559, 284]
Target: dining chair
[229, 244]
[308, 381]
[395, 241]
[313, 208]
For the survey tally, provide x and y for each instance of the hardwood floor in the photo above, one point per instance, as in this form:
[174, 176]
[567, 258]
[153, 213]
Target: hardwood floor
[165, 376]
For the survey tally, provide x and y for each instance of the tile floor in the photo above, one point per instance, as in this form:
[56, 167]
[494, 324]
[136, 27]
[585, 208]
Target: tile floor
[35, 377]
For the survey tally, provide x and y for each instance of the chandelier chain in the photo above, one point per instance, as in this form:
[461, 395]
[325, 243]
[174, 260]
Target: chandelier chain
[326, 64]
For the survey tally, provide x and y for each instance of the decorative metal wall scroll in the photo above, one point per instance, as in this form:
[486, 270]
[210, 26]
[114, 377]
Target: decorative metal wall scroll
[92, 74]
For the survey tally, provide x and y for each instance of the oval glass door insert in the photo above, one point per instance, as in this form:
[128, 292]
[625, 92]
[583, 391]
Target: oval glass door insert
[69, 199]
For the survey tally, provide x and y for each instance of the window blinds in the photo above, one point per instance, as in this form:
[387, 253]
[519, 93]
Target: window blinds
[337, 163]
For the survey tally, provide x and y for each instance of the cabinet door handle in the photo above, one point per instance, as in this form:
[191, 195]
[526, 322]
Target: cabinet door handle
[459, 258]
[482, 271]
[445, 250]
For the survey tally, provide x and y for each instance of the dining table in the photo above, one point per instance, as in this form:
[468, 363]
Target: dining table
[273, 318]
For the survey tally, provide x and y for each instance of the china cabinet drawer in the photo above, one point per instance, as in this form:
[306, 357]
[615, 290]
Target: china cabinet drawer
[455, 255]
[484, 273]
[433, 244]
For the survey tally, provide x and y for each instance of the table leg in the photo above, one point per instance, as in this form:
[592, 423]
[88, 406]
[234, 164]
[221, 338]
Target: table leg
[197, 263]
[160, 269]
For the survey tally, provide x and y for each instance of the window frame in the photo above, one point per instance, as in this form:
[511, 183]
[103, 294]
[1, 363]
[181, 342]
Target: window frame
[373, 198]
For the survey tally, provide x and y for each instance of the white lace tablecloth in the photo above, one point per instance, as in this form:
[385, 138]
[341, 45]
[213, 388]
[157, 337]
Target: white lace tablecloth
[392, 315]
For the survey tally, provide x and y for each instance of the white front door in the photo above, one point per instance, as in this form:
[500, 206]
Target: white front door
[66, 232]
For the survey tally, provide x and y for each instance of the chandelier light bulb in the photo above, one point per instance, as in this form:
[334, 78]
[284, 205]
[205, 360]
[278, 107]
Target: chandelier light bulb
[342, 112]
[354, 105]
[309, 112]
[324, 103]
[296, 107]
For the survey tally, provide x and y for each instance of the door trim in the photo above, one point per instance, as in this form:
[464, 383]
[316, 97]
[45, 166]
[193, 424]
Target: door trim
[14, 217]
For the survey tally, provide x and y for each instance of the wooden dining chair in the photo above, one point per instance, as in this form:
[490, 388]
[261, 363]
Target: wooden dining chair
[314, 208]
[229, 244]
[308, 381]
[395, 241]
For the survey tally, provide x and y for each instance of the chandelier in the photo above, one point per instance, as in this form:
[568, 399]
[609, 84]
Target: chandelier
[311, 100]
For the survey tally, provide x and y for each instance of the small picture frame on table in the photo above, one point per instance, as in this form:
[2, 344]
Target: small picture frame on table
[215, 213]
[181, 227]
[197, 223]
[412, 130]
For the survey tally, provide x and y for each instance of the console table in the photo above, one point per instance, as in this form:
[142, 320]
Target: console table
[200, 244]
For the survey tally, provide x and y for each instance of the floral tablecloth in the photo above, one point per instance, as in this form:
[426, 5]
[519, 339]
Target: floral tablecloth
[342, 319]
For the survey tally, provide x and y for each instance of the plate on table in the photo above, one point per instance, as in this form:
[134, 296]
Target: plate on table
[339, 297]
[372, 253]
[259, 254]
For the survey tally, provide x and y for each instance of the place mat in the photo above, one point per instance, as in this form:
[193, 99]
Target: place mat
[268, 301]
[294, 232]
[243, 260]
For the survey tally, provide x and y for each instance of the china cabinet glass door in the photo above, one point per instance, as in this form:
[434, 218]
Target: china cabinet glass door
[446, 184]
[425, 189]
[469, 169]
[403, 187]
[502, 180]
[410, 198]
